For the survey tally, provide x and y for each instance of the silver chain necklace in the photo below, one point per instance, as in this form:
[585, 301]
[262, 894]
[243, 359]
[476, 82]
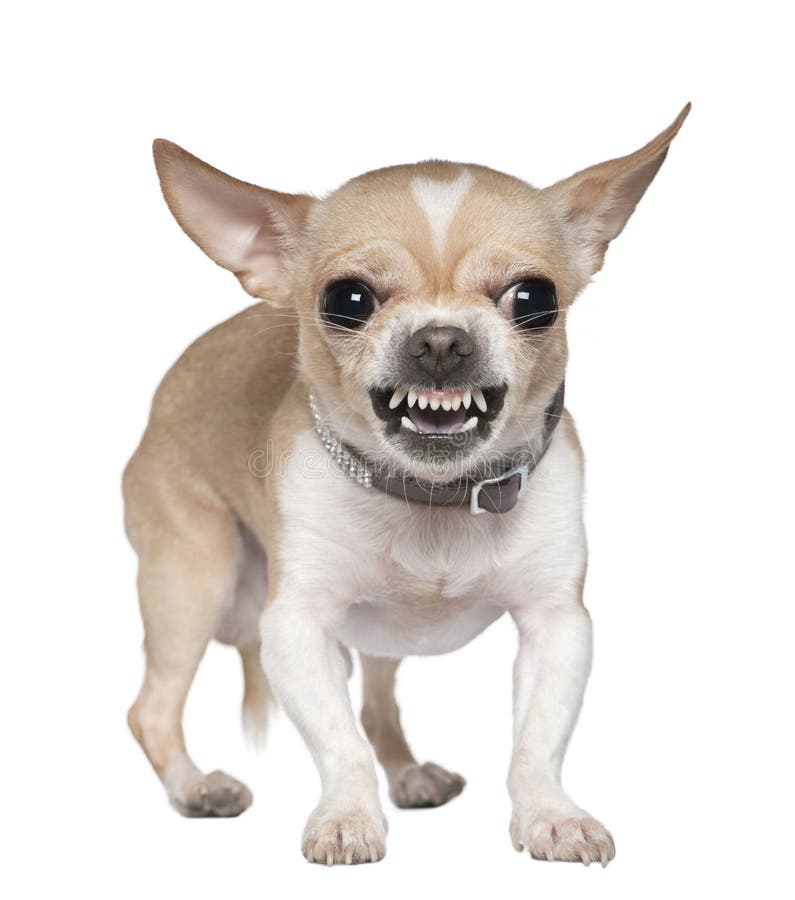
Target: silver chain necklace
[351, 465]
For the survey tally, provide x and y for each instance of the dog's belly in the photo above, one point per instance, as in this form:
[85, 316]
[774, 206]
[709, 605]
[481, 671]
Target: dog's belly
[239, 624]
[397, 625]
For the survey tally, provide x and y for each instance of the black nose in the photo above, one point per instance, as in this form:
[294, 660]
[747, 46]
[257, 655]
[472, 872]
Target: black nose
[440, 350]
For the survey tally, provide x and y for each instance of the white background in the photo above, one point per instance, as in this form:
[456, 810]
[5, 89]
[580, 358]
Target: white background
[680, 382]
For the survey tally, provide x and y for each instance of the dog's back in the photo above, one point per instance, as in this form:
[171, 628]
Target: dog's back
[210, 414]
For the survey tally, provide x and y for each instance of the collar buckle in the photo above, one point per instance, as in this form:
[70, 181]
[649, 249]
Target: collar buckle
[522, 471]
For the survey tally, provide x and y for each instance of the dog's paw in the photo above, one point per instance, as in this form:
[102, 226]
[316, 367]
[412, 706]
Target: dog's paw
[424, 785]
[575, 839]
[214, 795]
[336, 835]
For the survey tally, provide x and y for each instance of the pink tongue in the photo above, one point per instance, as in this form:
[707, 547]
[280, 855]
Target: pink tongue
[439, 421]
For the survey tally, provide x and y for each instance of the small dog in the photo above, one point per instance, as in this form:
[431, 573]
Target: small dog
[376, 457]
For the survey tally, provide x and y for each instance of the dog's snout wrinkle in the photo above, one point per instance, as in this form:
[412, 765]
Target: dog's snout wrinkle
[440, 350]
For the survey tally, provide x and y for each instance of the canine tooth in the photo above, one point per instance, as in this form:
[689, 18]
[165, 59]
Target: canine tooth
[412, 397]
[456, 403]
[469, 424]
[407, 423]
[397, 397]
[480, 400]
[422, 401]
[447, 404]
[434, 404]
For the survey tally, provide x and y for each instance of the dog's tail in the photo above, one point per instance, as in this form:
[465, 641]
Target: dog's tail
[258, 700]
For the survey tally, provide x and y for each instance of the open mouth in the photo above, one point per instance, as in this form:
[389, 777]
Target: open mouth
[438, 412]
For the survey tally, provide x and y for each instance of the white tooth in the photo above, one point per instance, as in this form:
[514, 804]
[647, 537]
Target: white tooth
[397, 397]
[467, 399]
[434, 404]
[412, 397]
[422, 401]
[456, 404]
[480, 400]
[469, 424]
[447, 404]
[407, 423]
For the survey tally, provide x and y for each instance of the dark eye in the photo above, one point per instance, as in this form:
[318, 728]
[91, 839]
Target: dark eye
[531, 304]
[348, 304]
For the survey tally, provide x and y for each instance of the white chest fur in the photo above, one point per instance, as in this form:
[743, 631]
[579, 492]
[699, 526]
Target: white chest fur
[396, 579]
[413, 616]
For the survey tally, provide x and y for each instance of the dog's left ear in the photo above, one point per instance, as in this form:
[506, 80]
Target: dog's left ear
[596, 203]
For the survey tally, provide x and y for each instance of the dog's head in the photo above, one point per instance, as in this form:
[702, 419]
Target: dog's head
[430, 299]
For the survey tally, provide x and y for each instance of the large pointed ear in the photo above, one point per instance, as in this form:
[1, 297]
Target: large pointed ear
[244, 228]
[596, 203]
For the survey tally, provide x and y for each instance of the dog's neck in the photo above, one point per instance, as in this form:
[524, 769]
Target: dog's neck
[494, 488]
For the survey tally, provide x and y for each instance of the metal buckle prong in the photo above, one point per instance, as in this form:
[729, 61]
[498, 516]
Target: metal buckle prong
[522, 471]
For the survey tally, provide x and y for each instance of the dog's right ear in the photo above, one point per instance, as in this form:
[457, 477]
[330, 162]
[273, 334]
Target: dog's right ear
[244, 228]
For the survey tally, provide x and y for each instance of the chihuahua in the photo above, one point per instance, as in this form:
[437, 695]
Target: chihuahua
[376, 456]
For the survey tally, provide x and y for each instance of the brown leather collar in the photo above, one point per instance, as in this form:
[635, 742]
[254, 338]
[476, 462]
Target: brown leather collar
[496, 493]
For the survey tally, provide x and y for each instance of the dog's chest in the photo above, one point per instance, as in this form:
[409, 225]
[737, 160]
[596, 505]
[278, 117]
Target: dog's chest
[421, 600]
[393, 579]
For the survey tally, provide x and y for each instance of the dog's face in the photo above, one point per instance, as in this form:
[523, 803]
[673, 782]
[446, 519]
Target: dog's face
[431, 298]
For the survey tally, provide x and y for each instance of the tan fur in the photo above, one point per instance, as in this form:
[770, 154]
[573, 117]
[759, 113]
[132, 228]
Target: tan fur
[193, 493]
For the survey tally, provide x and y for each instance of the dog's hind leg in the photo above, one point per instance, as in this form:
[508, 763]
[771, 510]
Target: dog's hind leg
[411, 784]
[186, 581]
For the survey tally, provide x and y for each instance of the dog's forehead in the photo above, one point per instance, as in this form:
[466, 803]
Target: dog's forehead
[436, 210]
[440, 199]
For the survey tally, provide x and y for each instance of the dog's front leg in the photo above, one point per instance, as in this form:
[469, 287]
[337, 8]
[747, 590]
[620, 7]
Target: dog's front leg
[550, 673]
[308, 675]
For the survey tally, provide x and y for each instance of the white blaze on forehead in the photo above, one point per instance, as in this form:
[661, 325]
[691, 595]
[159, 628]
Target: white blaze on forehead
[439, 200]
